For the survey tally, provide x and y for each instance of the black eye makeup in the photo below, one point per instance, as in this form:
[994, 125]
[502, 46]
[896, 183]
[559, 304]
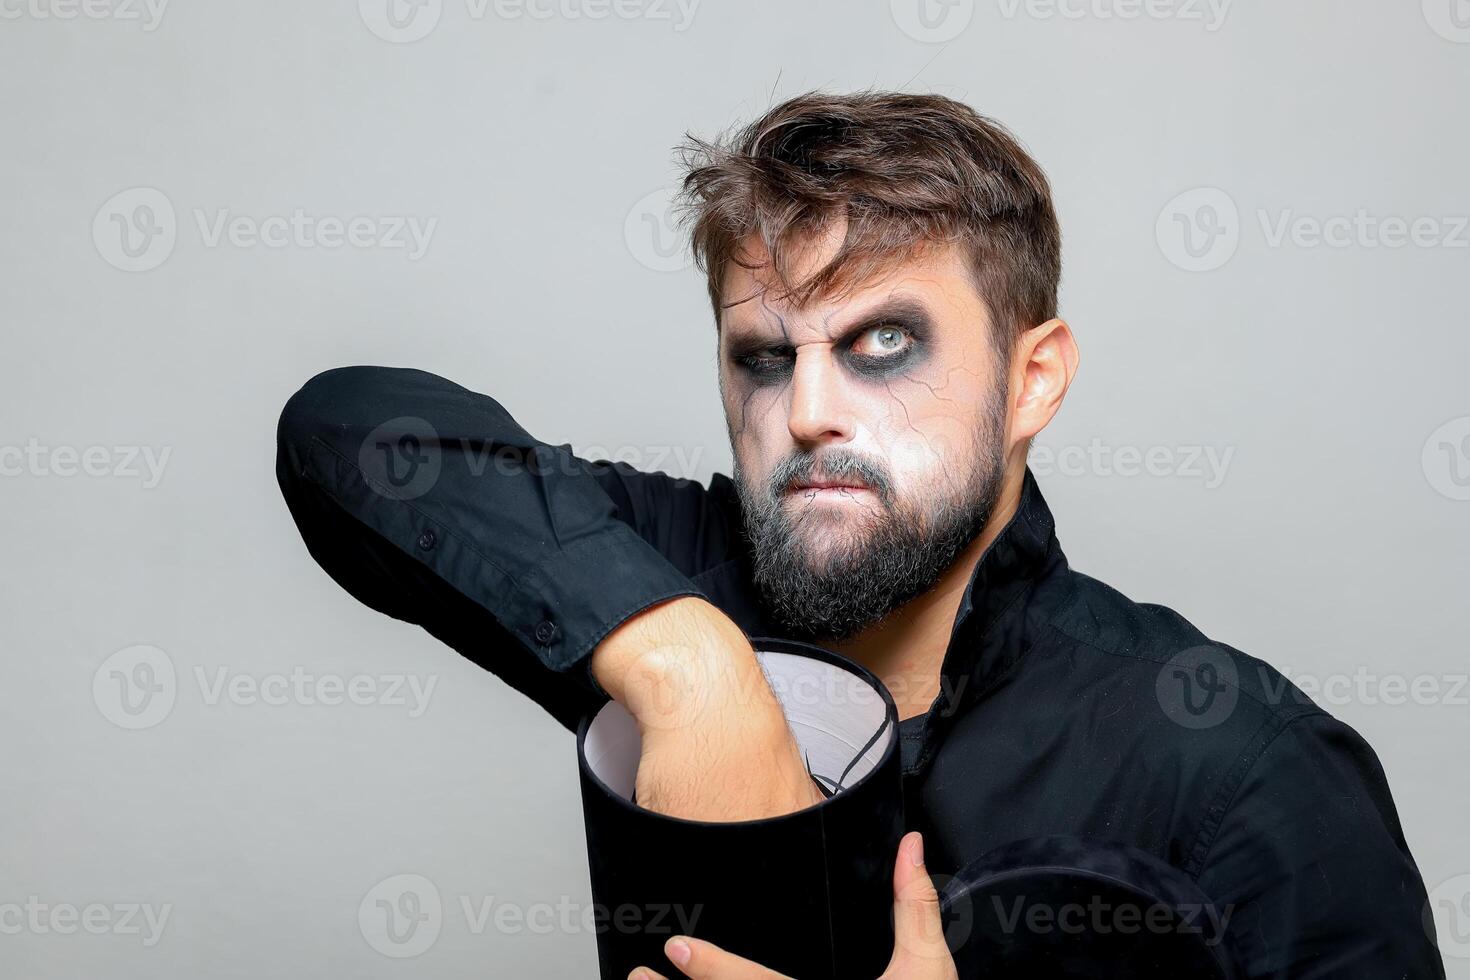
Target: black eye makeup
[764, 364]
[892, 340]
[885, 348]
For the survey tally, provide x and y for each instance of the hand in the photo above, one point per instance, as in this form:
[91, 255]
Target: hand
[715, 742]
[919, 951]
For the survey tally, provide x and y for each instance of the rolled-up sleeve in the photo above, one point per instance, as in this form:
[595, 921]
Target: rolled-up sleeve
[430, 503]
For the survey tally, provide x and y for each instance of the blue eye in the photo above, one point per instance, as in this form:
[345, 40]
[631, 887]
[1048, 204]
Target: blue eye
[882, 341]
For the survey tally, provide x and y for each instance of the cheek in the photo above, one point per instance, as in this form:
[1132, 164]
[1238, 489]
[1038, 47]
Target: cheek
[926, 426]
[756, 419]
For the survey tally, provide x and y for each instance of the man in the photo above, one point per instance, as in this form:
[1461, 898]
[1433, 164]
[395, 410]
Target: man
[883, 270]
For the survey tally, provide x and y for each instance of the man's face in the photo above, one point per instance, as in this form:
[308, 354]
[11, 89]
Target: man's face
[868, 434]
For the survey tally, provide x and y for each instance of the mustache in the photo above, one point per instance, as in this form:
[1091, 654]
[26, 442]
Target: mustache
[837, 464]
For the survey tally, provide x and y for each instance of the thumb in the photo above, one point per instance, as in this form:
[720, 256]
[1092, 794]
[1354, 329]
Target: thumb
[919, 949]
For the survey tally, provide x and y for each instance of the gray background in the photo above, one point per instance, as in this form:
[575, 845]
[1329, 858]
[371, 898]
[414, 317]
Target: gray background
[1332, 545]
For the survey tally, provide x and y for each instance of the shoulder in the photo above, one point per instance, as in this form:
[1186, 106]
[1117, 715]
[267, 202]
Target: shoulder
[1198, 679]
[1246, 746]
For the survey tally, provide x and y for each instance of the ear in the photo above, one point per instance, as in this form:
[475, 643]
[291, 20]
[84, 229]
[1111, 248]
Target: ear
[1043, 365]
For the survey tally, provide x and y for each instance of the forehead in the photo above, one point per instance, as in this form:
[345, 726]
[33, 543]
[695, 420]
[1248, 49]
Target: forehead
[934, 284]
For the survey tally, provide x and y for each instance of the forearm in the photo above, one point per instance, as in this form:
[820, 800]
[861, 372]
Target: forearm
[716, 745]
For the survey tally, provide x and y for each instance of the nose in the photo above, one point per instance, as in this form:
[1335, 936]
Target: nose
[820, 412]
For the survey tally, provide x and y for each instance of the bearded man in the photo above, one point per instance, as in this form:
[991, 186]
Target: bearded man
[883, 272]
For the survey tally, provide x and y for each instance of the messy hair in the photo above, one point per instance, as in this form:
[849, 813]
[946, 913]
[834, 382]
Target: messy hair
[904, 170]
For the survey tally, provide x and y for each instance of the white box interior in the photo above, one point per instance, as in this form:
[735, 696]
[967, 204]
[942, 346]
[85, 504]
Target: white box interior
[838, 720]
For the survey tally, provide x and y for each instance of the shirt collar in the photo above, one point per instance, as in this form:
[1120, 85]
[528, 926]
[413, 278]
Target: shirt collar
[989, 634]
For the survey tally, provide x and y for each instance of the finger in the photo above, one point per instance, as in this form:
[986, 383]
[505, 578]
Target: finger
[644, 973]
[700, 960]
[918, 930]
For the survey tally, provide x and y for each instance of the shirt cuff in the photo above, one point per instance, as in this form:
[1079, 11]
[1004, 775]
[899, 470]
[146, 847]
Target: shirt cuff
[575, 597]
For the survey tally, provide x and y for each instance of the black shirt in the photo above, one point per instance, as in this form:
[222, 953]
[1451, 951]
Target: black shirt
[1065, 707]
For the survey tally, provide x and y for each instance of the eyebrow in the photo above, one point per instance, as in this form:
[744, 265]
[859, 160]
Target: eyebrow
[899, 308]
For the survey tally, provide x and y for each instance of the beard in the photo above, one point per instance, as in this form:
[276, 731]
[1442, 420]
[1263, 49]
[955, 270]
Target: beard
[827, 572]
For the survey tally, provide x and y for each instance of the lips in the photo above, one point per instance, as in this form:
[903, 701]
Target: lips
[828, 485]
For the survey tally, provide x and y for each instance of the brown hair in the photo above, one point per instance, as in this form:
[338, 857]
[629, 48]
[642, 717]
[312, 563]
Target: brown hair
[905, 170]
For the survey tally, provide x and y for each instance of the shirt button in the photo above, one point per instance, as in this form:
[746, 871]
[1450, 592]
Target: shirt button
[545, 632]
[426, 540]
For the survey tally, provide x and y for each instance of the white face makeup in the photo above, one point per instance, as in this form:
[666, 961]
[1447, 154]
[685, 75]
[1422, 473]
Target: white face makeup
[867, 431]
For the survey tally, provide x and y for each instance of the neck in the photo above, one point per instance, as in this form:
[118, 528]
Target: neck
[906, 648]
